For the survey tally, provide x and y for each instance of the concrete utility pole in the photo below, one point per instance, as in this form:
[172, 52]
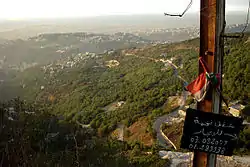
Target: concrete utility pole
[212, 21]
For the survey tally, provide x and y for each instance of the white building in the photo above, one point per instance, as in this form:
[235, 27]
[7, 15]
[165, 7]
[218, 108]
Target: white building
[120, 103]
[235, 109]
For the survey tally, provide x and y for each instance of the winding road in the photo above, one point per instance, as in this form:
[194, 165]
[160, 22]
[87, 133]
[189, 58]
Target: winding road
[161, 137]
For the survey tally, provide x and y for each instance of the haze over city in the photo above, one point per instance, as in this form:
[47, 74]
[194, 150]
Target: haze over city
[116, 83]
[26, 9]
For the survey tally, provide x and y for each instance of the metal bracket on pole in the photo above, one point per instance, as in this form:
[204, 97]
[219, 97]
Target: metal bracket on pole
[232, 36]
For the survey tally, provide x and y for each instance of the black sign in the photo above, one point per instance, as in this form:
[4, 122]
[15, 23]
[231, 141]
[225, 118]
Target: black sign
[209, 132]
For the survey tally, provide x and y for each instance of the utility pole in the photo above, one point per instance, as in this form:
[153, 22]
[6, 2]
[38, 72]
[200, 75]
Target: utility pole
[212, 21]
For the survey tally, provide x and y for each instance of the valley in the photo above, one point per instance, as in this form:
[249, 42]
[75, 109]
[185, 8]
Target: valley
[77, 89]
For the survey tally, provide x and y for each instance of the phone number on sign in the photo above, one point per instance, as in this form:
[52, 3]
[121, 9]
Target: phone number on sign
[208, 148]
[208, 141]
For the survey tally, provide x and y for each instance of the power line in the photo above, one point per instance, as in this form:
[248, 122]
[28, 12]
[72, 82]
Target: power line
[187, 8]
[244, 28]
[247, 19]
[242, 33]
[180, 15]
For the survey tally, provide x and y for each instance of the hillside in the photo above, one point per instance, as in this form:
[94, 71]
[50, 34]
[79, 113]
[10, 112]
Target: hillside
[80, 86]
[45, 48]
[124, 86]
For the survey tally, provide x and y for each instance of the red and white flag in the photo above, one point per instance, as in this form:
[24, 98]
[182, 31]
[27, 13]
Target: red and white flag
[199, 87]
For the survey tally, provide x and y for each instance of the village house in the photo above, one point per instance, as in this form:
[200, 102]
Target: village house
[235, 109]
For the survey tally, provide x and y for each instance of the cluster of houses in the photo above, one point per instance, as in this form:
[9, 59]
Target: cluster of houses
[69, 62]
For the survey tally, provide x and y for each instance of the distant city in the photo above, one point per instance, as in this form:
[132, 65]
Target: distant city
[135, 24]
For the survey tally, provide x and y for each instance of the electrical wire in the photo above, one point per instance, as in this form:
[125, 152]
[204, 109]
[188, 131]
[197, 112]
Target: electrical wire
[180, 15]
[247, 20]
[242, 33]
[229, 36]
[187, 8]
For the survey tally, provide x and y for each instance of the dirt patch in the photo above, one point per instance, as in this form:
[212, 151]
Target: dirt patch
[174, 133]
[138, 132]
[116, 134]
[113, 106]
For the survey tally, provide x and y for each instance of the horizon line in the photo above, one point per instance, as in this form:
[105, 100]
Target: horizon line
[104, 15]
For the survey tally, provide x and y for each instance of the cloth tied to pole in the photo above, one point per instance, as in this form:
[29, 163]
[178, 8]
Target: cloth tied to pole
[199, 87]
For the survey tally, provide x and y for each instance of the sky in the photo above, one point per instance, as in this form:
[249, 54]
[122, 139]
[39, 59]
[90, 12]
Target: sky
[23, 9]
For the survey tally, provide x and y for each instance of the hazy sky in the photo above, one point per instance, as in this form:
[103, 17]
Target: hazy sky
[15, 9]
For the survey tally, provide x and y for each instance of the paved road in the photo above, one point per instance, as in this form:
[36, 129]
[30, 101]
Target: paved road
[164, 141]
[157, 127]
[83, 125]
[167, 118]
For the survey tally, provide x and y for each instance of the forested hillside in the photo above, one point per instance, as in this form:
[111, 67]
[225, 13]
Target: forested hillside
[105, 90]
[237, 70]
[83, 91]
[35, 137]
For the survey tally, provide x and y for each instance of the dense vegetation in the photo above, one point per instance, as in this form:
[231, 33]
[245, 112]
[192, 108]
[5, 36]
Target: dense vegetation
[82, 93]
[237, 69]
[88, 93]
[31, 136]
